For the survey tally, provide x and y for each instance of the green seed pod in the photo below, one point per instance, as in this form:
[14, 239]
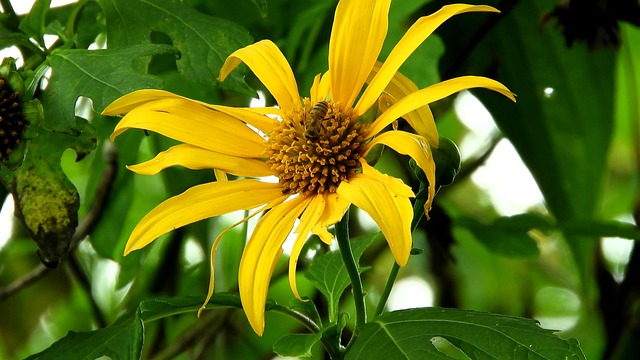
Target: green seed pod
[447, 159]
[12, 121]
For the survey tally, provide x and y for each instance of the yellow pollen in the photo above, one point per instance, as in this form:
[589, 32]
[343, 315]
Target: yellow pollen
[314, 152]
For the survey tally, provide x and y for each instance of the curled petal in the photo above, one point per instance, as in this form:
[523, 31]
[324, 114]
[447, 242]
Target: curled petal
[261, 255]
[200, 202]
[416, 147]
[421, 119]
[416, 34]
[358, 32]
[335, 207]
[197, 158]
[376, 194]
[433, 93]
[214, 247]
[270, 66]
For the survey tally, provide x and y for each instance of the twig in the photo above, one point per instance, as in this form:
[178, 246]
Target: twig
[83, 229]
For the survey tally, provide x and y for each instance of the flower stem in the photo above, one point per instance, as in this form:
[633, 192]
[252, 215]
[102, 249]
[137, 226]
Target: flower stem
[342, 235]
[418, 212]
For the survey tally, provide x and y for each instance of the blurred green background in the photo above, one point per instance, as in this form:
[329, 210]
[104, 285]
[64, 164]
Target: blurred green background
[527, 229]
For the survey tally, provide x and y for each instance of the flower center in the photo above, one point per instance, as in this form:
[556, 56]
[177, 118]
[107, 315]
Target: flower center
[316, 147]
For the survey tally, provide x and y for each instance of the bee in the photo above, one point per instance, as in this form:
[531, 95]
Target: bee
[318, 113]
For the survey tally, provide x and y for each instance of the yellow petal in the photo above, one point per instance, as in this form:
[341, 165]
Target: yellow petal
[198, 203]
[137, 98]
[270, 66]
[261, 255]
[196, 125]
[134, 99]
[421, 119]
[335, 207]
[416, 147]
[218, 174]
[416, 34]
[433, 93]
[214, 247]
[358, 32]
[308, 220]
[392, 212]
[197, 158]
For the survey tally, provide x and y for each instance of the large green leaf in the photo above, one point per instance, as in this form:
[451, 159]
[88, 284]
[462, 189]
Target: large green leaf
[204, 41]
[417, 334]
[122, 340]
[562, 123]
[329, 275]
[101, 75]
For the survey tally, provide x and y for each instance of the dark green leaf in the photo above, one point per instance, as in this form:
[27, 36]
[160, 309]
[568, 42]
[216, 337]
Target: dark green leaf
[602, 229]
[122, 340]
[558, 131]
[329, 275]
[508, 236]
[204, 41]
[159, 308]
[33, 23]
[101, 75]
[415, 334]
[296, 345]
[262, 7]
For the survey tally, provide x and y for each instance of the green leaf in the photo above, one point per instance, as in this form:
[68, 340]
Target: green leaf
[33, 23]
[262, 7]
[509, 235]
[296, 345]
[101, 75]
[204, 41]
[416, 334]
[122, 340]
[601, 229]
[154, 309]
[329, 275]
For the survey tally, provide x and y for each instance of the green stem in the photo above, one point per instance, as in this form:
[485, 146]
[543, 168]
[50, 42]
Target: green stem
[342, 235]
[418, 212]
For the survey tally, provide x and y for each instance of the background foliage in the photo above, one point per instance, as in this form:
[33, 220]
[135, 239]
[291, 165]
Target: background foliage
[575, 126]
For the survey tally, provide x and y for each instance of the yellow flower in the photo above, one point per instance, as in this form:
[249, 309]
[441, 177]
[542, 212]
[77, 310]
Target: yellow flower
[316, 146]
